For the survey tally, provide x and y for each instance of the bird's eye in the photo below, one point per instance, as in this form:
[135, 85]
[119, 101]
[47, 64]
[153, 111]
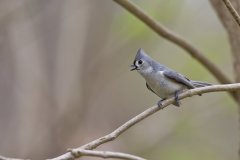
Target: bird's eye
[140, 62]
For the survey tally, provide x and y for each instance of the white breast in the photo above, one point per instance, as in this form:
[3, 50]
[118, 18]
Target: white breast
[162, 86]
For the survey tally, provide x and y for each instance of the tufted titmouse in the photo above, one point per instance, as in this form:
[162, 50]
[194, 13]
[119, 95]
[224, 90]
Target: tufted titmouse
[161, 80]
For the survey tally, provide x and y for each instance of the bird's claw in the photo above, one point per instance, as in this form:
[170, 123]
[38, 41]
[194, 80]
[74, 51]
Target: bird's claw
[159, 103]
[177, 103]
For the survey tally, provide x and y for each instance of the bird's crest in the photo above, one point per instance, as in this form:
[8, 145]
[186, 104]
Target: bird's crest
[141, 55]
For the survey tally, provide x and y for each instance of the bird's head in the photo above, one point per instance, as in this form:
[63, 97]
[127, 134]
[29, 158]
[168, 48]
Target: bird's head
[142, 62]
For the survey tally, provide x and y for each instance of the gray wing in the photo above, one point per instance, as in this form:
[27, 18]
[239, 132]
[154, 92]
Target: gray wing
[178, 78]
[148, 87]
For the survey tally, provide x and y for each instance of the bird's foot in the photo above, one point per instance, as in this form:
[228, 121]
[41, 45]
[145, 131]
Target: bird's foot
[159, 103]
[177, 102]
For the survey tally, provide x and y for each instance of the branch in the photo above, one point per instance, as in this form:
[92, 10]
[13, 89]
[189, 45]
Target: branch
[232, 11]
[6, 158]
[173, 37]
[77, 153]
[112, 136]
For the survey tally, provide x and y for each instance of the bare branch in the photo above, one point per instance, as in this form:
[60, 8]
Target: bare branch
[173, 37]
[112, 136]
[85, 150]
[6, 158]
[76, 153]
[154, 109]
[232, 11]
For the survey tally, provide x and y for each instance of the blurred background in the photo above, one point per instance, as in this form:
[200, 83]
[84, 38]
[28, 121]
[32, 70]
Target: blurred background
[65, 80]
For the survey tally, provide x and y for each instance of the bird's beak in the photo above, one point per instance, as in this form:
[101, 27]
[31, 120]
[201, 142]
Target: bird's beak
[133, 67]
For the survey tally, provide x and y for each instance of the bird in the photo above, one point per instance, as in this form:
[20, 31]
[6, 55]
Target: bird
[161, 80]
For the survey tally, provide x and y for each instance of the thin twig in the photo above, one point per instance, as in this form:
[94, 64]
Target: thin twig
[112, 136]
[77, 153]
[232, 11]
[173, 37]
[154, 109]
[7, 158]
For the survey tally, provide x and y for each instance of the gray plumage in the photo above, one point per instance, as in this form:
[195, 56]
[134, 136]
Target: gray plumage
[161, 80]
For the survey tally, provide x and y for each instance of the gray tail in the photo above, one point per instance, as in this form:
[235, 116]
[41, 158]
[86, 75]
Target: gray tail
[200, 84]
